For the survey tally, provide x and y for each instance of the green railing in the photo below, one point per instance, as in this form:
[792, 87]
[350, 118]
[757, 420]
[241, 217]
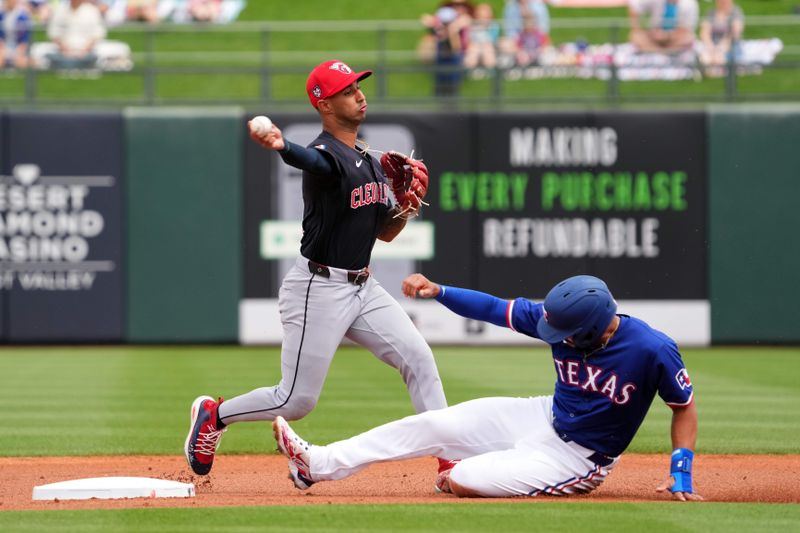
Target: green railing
[265, 64]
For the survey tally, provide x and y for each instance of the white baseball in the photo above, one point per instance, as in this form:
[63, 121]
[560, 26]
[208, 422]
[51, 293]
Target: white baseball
[261, 125]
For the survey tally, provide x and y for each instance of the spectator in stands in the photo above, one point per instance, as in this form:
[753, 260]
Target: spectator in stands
[449, 27]
[142, 11]
[482, 38]
[515, 12]
[40, 9]
[205, 10]
[515, 15]
[104, 6]
[15, 34]
[530, 41]
[720, 33]
[75, 28]
[671, 27]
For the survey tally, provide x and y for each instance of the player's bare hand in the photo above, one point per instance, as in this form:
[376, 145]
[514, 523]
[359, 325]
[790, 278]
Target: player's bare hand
[418, 286]
[681, 496]
[272, 140]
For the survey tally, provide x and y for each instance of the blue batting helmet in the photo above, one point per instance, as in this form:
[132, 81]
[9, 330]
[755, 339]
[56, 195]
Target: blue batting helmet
[580, 307]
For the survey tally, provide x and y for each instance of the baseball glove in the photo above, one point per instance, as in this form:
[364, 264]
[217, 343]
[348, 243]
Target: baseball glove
[409, 180]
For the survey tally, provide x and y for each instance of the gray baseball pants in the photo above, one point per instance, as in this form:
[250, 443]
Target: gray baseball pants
[317, 312]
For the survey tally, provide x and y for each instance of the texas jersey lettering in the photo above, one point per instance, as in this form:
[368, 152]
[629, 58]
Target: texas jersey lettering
[586, 377]
[601, 400]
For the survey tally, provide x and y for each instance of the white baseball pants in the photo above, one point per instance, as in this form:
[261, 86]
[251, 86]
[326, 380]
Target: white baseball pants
[507, 447]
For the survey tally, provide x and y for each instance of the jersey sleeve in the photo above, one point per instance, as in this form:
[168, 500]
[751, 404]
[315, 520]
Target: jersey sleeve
[523, 315]
[319, 161]
[475, 305]
[330, 157]
[674, 386]
[520, 315]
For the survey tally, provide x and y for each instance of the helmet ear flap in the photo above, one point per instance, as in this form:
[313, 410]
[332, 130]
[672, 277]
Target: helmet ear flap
[587, 339]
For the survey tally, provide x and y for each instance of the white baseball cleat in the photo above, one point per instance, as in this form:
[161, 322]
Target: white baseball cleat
[296, 450]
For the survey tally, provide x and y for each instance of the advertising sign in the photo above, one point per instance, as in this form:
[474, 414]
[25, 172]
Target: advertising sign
[517, 203]
[61, 228]
[620, 196]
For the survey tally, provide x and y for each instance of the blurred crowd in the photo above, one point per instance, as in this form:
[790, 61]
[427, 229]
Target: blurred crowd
[76, 28]
[463, 35]
[670, 26]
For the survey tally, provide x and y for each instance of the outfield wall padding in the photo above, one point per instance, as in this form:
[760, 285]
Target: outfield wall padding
[185, 236]
[755, 248]
[183, 200]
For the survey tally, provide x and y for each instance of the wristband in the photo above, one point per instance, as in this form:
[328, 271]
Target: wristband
[680, 469]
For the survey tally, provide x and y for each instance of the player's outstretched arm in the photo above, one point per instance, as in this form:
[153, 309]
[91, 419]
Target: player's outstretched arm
[292, 154]
[465, 302]
[684, 437]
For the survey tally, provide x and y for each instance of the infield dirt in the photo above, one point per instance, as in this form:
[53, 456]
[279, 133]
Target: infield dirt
[261, 480]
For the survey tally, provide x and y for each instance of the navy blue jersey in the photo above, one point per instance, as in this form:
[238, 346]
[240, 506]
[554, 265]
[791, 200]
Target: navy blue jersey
[344, 211]
[601, 400]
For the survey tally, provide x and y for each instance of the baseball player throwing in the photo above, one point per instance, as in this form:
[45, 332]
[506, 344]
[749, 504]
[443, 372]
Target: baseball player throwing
[609, 368]
[329, 292]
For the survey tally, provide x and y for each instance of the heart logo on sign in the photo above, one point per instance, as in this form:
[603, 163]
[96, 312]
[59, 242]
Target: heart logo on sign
[26, 174]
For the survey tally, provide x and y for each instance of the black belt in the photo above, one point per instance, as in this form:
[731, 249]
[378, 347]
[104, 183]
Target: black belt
[597, 457]
[357, 277]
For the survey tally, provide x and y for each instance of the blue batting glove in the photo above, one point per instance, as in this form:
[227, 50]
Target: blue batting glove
[680, 469]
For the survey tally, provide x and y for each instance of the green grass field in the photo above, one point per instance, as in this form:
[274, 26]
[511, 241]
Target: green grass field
[544, 517]
[278, 76]
[135, 400]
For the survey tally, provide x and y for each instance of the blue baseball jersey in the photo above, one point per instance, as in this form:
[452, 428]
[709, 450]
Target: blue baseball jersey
[601, 399]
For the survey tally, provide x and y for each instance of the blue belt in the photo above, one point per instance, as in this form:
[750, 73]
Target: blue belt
[596, 457]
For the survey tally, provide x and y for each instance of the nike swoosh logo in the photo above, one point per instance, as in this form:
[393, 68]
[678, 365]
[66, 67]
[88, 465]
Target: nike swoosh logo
[358, 163]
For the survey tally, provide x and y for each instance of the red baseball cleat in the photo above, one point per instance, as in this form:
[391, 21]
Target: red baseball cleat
[203, 438]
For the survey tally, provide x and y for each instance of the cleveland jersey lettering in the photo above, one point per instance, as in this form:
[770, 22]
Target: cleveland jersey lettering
[343, 211]
[369, 193]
